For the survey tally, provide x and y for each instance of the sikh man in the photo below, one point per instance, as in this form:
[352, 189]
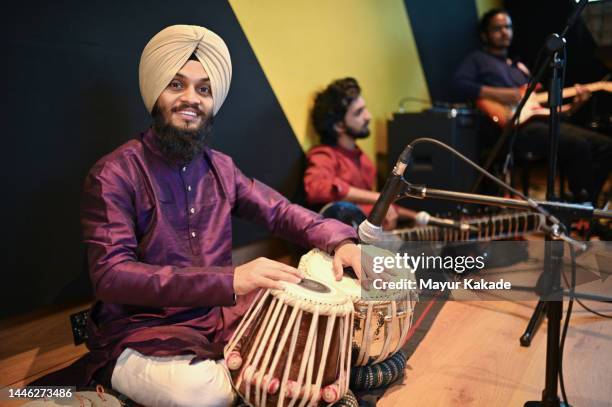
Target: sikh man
[156, 218]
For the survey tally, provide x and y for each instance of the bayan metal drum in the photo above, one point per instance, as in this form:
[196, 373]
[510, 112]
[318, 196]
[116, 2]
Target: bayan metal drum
[382, 318]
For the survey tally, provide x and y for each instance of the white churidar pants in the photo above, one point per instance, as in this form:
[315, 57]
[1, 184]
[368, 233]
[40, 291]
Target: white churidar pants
[170, 381]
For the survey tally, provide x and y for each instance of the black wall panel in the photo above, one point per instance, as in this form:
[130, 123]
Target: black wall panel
[444, 32]
[71, 95]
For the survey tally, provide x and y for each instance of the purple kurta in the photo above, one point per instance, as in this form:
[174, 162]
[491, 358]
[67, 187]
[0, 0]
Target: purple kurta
[159, 242]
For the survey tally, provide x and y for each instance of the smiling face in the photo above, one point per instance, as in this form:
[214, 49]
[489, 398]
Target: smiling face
[182, 116]
[187, 103]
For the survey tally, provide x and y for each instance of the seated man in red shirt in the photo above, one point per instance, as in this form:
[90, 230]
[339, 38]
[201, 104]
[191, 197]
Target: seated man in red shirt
[337, 169]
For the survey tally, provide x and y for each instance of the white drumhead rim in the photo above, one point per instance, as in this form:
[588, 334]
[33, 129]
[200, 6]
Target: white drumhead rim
[333, 301]
[351, 286]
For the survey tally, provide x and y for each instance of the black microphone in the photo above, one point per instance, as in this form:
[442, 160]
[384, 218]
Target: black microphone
[424, 219]
[370, 229]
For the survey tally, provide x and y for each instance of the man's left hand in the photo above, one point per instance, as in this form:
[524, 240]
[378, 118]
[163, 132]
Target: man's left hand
[582, 95]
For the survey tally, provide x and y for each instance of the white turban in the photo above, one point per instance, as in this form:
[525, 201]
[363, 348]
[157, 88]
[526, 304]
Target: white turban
[171, 48]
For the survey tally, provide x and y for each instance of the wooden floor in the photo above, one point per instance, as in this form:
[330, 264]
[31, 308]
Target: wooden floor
[471, 357]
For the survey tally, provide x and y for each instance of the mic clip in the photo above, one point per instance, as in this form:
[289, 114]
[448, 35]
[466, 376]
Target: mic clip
[413, 191]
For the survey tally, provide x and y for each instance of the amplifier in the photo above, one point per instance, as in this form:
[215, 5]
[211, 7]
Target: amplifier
[431, 165]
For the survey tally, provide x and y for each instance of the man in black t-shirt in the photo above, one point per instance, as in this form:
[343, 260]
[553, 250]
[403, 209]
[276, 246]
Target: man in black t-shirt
[490, 74]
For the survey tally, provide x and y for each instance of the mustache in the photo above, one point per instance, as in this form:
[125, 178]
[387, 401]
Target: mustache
[184, 106]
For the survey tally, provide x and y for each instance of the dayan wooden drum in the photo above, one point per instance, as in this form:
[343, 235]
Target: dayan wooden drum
[293, 346]
[382, 318]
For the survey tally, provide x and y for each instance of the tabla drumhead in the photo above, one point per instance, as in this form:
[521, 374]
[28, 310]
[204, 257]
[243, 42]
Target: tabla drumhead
[313, 285]
[318, 264]
[316, 292]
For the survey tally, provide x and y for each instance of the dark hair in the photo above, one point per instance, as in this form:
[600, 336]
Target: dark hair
[483, 26]
[330, 107]
[177, 145]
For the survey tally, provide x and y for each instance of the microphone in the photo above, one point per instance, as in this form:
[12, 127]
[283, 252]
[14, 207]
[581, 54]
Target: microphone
[370, 229]
[423, 219]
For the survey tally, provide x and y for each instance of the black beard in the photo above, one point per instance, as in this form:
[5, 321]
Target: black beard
[363, 133]
[178, 145]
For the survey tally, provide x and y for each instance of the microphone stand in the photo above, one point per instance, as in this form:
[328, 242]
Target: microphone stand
[550, 278]
[553, 256]
[553, 253]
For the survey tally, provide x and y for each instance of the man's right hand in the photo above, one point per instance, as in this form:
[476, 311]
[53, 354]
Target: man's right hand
[263, 273]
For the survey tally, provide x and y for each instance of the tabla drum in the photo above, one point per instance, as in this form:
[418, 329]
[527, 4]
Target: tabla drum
[293, 346]
[382, 318]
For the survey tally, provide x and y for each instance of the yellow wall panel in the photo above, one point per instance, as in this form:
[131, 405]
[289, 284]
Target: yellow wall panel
[304, 45]
[482, 6]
